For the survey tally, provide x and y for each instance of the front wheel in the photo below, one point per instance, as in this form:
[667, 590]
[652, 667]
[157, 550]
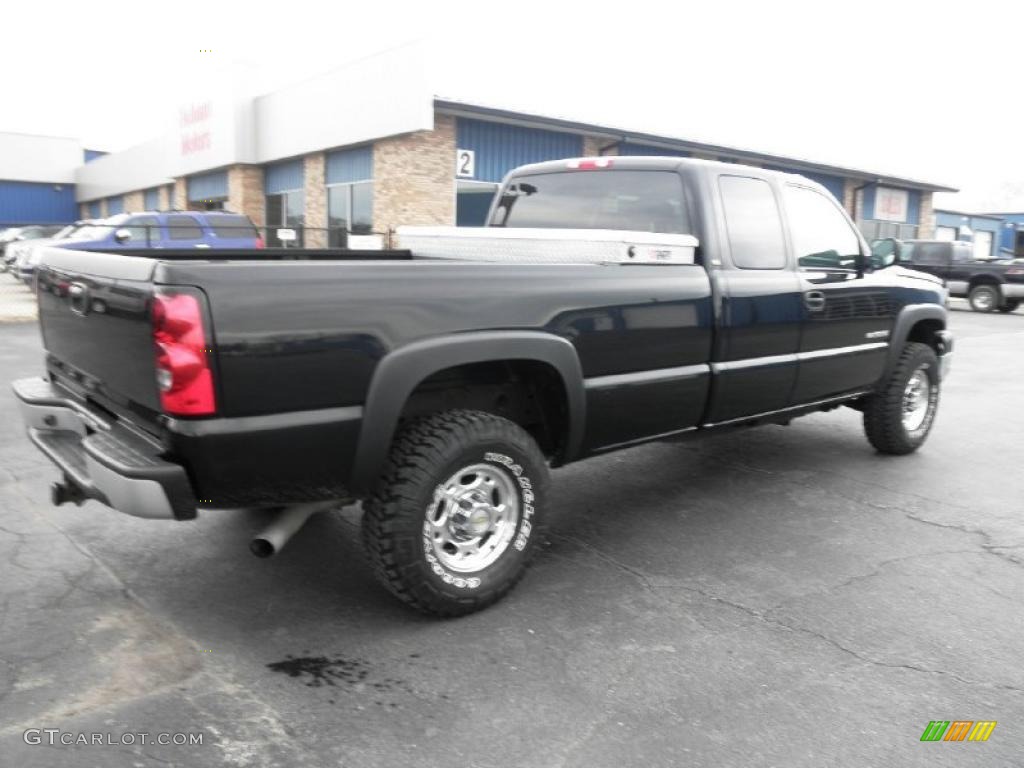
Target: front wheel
[1009, 305]
[983, 298]
[453, 520]
[899, 415]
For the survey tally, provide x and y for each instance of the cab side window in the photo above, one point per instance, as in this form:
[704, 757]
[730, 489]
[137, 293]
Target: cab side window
[183, 228]
[822, 237]
[753, 223]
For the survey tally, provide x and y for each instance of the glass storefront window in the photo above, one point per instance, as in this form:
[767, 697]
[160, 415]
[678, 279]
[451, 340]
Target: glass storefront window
[349, 211]
[287, 209]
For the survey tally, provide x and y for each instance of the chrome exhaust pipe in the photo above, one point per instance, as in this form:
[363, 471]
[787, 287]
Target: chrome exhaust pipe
[289, 520]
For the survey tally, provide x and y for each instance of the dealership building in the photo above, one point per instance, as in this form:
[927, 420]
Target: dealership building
[306, 156]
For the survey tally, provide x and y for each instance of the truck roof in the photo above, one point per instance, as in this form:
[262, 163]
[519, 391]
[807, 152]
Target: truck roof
[651, 163]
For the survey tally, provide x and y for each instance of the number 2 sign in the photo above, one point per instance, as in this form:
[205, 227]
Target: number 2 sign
[465, 163]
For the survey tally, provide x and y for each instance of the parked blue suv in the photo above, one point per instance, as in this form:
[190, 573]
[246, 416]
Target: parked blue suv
[168, 229]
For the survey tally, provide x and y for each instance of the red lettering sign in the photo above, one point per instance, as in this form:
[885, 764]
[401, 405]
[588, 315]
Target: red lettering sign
[195, 113]
[196, 142]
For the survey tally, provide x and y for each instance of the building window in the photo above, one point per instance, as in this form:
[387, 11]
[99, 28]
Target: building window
[349, 211]
[208, 191]
[286, 210]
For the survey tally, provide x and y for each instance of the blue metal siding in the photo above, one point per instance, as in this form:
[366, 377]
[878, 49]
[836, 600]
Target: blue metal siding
[642, 150]
[115, 205]
[913, 206]
[348, 165]
[284, 177]
[25, 202]
[977, 224]
[94, 209]
[834, 184]
[1008, 238]
[867, 208]
[152, 199]
[499, 147]
[208, 186]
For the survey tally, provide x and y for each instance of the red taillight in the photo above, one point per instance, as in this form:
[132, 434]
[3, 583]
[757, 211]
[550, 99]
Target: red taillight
[591, 164]
[259, 242]
[183, 372]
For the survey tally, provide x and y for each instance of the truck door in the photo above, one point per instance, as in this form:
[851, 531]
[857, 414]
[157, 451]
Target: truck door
[847, 313]
[758, 334]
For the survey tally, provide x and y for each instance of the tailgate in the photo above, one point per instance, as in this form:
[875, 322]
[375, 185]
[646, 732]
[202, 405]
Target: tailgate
[94, 311]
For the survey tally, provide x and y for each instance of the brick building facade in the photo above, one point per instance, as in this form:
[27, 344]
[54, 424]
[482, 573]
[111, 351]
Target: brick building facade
[415, 180]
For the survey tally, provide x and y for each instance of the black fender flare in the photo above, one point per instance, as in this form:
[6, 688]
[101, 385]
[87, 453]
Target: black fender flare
[907, 318]
[401, 371]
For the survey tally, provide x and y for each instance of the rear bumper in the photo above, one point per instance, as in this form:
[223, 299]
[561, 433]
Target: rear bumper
[106, 462]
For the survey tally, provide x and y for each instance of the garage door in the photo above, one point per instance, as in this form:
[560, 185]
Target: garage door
[982, 244]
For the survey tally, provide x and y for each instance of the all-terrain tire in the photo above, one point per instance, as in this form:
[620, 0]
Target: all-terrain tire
[427, 454]
[1009, 305]
[884, 411]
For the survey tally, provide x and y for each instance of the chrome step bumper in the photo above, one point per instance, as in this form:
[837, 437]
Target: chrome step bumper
[103, 461]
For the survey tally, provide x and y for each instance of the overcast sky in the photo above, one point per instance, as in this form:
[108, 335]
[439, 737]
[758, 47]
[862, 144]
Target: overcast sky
[920, 89]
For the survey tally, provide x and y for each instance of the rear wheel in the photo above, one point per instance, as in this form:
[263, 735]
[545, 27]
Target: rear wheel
[452, 522]
[1009, 305]
[898, 417]
[983, 298]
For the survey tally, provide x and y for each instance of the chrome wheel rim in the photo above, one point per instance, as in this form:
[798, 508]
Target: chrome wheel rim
[984, 300]
[917, 400]
[472, 518]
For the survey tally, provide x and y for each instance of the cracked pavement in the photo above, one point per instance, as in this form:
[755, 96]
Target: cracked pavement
[778, 597]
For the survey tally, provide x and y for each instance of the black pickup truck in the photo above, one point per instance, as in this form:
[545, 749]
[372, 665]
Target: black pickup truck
[986, 284]
[439, 392]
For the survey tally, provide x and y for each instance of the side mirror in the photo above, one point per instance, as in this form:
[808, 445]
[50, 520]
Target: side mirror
[122, 236]
[885, 252]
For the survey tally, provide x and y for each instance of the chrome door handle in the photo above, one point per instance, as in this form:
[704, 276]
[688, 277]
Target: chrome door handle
[814, 301]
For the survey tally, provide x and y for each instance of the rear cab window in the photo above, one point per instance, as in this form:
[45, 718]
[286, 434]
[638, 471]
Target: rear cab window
[933, 254]
[636, 200]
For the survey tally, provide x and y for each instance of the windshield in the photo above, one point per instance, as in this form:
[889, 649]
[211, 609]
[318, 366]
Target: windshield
[64, 233]
[644, 201]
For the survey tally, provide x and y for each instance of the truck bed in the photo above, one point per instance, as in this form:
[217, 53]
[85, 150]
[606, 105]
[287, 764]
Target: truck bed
[294, 343]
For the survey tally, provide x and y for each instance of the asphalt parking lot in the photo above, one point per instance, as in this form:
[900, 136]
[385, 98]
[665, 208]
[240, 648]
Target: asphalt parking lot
[781, 597]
